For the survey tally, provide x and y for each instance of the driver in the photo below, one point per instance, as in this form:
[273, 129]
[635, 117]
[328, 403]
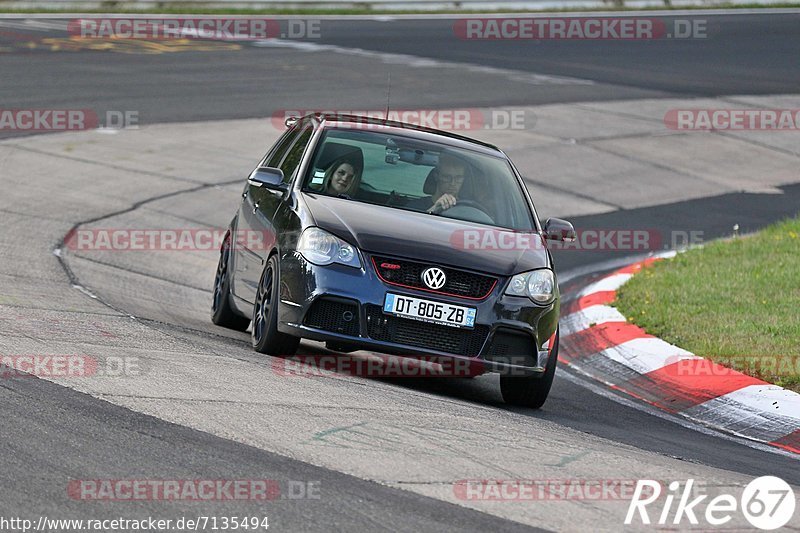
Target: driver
[450, 175]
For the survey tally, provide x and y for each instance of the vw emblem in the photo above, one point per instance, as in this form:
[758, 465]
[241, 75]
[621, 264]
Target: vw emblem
[434, 278]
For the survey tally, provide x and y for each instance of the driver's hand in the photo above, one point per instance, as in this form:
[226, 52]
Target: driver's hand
[445, 202]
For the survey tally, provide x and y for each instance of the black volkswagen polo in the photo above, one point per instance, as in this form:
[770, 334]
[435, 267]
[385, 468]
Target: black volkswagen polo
[380, 235]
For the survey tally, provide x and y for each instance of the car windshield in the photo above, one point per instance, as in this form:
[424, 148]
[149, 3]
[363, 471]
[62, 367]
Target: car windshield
[407, 173]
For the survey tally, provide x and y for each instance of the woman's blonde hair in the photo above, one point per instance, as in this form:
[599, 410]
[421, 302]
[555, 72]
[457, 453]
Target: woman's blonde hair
[333, 167]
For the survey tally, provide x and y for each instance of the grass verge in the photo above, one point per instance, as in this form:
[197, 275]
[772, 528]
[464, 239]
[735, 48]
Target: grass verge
[736, 302]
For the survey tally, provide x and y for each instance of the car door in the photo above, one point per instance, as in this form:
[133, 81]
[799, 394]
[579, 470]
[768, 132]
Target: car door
[259, 205]
[246, 258]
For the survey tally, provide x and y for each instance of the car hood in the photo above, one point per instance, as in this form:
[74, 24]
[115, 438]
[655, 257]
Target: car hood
[397, 232]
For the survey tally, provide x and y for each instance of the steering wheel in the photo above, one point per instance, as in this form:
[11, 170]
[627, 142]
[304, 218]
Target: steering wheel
[471, 204]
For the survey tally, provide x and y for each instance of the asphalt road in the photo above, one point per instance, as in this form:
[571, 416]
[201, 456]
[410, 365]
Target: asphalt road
[741, 54]
[57, 434]
[53, 435]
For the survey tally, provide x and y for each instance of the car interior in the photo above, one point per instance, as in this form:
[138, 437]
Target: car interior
[397, 170]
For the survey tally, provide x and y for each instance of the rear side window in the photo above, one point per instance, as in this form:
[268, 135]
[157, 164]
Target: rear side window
[292, 160]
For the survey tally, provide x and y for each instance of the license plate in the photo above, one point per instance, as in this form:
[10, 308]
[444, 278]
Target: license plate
[429, 311]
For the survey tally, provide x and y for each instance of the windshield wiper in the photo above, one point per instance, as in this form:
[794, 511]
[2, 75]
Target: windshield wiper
[345, 196]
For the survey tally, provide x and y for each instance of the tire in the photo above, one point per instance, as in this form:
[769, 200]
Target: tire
[530, 391]
[222, 314]
[265, 336]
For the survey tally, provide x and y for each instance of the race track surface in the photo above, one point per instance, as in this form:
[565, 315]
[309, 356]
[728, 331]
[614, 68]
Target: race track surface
[385, 453]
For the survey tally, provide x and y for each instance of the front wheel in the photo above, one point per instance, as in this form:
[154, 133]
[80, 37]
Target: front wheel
[265, 337]
[530, 391]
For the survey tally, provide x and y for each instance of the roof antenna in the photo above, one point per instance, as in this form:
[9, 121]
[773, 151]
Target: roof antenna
[388, 92]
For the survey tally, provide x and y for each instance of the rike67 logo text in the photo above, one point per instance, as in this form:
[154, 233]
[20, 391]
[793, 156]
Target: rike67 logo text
[767, 503]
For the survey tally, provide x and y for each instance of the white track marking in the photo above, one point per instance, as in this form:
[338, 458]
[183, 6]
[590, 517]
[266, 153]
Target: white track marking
[595, 314]
[586, 380]
[646, 354]
[424, 62]
[609, 283]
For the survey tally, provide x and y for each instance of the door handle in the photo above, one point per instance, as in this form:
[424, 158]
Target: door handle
[255, 208]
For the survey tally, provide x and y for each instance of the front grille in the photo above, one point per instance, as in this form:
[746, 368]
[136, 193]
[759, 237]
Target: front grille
[409, 274]
[511, 347]
[332, 315]
[388, 328]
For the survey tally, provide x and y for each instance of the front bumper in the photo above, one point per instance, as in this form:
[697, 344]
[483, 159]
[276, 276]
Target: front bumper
[343, 305]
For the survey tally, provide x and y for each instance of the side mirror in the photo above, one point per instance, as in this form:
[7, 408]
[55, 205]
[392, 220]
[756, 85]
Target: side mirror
[271, 178]
[556, 229]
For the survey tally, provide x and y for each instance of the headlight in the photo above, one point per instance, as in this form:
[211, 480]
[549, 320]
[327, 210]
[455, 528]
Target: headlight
[538, 285]
[321, 248]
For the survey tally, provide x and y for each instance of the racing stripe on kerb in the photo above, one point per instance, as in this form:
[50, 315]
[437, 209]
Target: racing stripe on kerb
[598, 339]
